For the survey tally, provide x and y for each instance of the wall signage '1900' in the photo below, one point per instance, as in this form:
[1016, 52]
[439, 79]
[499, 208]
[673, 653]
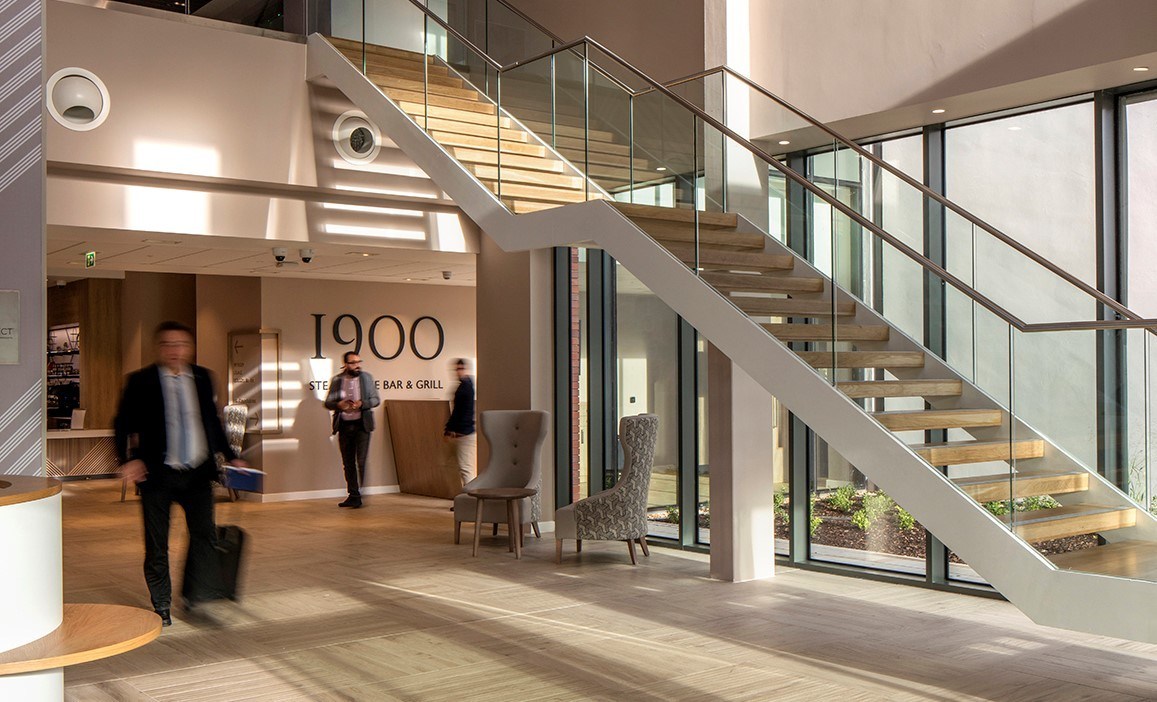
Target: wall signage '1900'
[386, 336]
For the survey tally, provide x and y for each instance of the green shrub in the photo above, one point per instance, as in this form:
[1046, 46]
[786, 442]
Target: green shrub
[841, 500]
[876, 505]
[813, 524]
[1032, 504]
[998, 508]
[779, 502]
[904, 520]
[862, 520]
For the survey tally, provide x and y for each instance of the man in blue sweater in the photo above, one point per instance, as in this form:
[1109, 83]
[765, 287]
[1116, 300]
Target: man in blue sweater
[461, 441]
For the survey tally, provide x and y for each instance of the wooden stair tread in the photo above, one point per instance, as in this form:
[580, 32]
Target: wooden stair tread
[791, 307]
[1123, 559]
[901, 388]
[526, 207]
[726, 260]
[670, 232]
[763, 283]
[720, 220]
[391, 80]
[530, 163]
[474, 129]
[88, 632]
[519, 191]
[864, 359]
[912, 420]
[951, 453]
[471, 141]
[991, 488]
[517, 175]
[826, 332]
[1070, 520]
[488, 120]
[417, 97]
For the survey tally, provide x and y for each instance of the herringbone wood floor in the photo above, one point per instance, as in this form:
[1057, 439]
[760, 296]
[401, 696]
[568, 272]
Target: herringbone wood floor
[379, 604]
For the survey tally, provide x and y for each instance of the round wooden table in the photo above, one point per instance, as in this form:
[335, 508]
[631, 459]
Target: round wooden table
[513, 497]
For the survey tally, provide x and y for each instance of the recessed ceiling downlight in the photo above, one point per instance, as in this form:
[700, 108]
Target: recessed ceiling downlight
[356, 138]
[77, 99]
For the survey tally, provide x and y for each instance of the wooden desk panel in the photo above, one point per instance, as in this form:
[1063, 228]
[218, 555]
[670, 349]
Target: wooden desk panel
[416, 435]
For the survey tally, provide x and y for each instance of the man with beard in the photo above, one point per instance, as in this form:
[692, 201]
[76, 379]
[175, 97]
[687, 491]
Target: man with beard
[352, 397]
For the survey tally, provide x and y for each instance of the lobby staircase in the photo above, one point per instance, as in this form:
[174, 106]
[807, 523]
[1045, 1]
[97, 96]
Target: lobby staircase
[817, 346]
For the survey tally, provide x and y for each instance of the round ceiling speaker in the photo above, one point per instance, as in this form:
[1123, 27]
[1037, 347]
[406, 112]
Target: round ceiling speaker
[77, 99]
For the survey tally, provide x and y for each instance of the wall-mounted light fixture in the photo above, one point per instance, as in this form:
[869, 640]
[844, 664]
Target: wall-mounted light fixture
[77, 99]
[356, 138]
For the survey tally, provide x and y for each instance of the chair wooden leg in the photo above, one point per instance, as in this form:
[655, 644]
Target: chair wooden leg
[511, 533]
[631, 548]
[537, 533]
[578, 545]
[643, 543]
[124, 488]
[558, 550]
[457, 531]
[477, 525]
[516, 527]
[495, 532]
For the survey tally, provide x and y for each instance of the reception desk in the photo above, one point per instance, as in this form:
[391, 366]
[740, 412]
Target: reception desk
[416, 428]
[40, 634]
[83, 453]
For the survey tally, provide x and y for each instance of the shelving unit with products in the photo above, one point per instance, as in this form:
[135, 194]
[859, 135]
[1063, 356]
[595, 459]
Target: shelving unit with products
[63, 370]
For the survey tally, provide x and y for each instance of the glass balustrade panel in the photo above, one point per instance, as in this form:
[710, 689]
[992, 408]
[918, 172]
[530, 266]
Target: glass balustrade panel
[1081, 406]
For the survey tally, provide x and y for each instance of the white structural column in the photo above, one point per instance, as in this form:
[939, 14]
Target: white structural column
[741, 455]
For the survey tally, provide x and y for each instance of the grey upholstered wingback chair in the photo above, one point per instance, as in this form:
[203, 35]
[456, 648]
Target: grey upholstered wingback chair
[620, 513]
[515, 438]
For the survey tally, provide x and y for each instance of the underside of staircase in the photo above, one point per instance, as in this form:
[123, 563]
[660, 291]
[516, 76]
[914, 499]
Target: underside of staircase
[781, 320]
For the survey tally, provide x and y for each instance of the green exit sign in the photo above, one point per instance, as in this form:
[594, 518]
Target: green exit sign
[90, 259]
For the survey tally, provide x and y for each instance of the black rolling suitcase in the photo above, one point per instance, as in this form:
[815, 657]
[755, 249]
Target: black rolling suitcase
[231, 550]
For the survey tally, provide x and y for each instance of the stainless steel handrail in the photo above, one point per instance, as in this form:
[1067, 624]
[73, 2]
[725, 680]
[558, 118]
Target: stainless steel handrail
[456, 34]
[790, 174]
[1004, 238]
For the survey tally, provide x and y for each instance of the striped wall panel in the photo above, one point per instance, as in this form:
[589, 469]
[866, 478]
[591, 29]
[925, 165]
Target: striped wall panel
[22, 232]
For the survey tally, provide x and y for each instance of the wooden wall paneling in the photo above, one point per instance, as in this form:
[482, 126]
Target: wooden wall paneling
[416, 434]
[100, 352]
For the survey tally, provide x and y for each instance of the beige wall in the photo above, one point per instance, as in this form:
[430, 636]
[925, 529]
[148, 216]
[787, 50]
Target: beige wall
[304, 458]
[837, 59]
[224, 304]
[515, 346]
[662, 37]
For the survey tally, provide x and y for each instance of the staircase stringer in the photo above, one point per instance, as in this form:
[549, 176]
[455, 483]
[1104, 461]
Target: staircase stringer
[1075, 600]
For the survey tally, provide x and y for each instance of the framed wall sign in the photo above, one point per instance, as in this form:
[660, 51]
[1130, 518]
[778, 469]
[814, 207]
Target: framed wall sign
[255, 378]
[9, 327]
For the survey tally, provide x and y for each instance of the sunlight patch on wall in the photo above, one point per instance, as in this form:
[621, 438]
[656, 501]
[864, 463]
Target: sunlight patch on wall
[165, 209]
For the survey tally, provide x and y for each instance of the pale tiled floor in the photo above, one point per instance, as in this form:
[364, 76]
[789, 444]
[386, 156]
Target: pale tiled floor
[379, 604]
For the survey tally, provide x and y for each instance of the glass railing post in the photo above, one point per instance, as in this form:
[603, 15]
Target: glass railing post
[695, 123]
[498, 132]
[426, 71]
[723, 155]
[586, 121]
[1012, 427]
[553, 102]
[631, 147]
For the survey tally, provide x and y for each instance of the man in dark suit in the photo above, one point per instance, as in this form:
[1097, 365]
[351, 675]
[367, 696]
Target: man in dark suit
[167, 432]
[352, 397]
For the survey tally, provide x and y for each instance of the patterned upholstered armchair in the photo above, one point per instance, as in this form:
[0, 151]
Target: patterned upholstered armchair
[515, 438]
[620, 513]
